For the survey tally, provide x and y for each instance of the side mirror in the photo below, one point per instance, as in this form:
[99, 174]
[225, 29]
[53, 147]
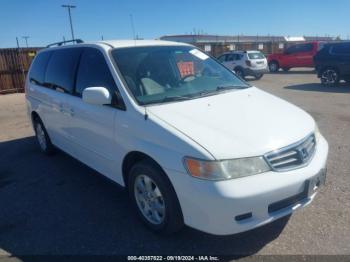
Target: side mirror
[97, 96]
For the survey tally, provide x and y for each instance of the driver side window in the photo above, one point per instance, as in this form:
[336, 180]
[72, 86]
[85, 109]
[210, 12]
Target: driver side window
[93, 72]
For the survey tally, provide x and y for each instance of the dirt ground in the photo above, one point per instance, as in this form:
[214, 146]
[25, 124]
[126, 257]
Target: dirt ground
[56, 205]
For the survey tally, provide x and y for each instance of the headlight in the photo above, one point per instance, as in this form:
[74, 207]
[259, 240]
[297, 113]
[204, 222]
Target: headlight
[225, 169]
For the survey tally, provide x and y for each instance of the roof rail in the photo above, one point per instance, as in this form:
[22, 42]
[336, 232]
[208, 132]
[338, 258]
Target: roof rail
[77, 41]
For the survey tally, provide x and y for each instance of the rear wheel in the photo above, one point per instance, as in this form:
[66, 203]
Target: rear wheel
[42, 137]
[154, 198]
[330, 77]
[274, 67]
[258, 76]
[239, 72]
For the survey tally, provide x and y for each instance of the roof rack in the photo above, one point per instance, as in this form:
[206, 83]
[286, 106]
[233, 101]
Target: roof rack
[77, 41]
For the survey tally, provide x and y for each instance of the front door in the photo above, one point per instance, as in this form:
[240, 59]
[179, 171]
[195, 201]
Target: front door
[93, 126]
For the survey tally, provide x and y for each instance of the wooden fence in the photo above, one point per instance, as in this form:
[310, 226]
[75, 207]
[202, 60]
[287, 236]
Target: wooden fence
[14, 65]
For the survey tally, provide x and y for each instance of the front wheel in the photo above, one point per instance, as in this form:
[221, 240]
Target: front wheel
[154, 198]
[239, 72]
[329, 77]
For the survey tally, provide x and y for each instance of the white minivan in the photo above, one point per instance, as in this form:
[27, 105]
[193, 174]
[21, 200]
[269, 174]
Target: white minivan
[192, 143]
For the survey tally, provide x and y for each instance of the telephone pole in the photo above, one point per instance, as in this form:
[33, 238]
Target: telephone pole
[26, 39]
[69, 7]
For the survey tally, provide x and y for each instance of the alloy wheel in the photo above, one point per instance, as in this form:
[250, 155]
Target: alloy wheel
[149, 199]
[329, 77]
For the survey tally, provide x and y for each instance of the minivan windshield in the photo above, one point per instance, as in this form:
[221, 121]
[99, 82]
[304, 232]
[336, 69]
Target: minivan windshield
[160, 74]
[255, 55]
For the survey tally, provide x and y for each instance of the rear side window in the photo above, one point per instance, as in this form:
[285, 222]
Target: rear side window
[38, 68]
[305, 48]
[93, 71]
[341, 49]
[238, 56]
[299, 48]
[222, 58]
[60, 72]
[230, 57]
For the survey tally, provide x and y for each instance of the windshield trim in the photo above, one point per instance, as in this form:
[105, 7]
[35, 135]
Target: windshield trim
[131, 94]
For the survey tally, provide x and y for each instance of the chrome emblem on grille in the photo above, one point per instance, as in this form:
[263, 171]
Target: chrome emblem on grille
[303, 153]
[293, 156]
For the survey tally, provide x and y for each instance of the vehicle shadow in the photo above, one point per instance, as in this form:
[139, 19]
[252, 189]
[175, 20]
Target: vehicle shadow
[58, 206]
[317, 87]
[293, 72]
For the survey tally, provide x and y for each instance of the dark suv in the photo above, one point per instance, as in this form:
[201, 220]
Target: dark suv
[332, 63]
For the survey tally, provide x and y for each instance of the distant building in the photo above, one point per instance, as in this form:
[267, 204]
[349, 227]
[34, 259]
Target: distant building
[218, 44]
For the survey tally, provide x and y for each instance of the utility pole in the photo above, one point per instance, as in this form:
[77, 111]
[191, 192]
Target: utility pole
[69, 7]
[26, 39]
[20, 61]
[132, 26]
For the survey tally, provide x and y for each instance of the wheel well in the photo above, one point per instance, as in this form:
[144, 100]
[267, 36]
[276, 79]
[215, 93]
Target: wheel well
[131, 159]
[274, 61]
[329, 67]
[35, 116]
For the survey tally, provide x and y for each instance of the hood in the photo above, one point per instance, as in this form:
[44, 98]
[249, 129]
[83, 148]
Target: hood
[239, 123]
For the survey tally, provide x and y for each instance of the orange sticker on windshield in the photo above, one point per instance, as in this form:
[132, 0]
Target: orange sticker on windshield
[185, 68]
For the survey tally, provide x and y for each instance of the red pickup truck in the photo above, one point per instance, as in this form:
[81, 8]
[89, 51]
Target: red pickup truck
[299, 55]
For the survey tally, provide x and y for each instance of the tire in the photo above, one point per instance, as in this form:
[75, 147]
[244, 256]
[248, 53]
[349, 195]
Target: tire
[285, 69]
[259, 76]
[239, 72]
[274, 66]
[329, 77]
[154, 198]
[43, 138]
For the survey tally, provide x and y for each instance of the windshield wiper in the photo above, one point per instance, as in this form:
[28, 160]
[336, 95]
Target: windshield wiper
[220, 88]
[216, 90]
[175, 98]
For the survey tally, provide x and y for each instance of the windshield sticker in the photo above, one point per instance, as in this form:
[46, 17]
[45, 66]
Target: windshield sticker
[199, 54]
[185, 68]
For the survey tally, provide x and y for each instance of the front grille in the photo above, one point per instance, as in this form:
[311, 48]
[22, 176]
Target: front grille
[293, 156]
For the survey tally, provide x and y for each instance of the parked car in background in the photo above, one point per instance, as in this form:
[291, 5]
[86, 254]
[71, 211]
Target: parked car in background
[332, 63]
[193, 143]
[245, 63]
[299, 55]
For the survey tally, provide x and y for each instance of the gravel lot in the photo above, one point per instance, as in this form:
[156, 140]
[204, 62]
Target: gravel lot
[56, 205]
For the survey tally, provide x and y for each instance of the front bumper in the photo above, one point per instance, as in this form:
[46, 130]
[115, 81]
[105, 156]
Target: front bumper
[213, 206]
[255, 71]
